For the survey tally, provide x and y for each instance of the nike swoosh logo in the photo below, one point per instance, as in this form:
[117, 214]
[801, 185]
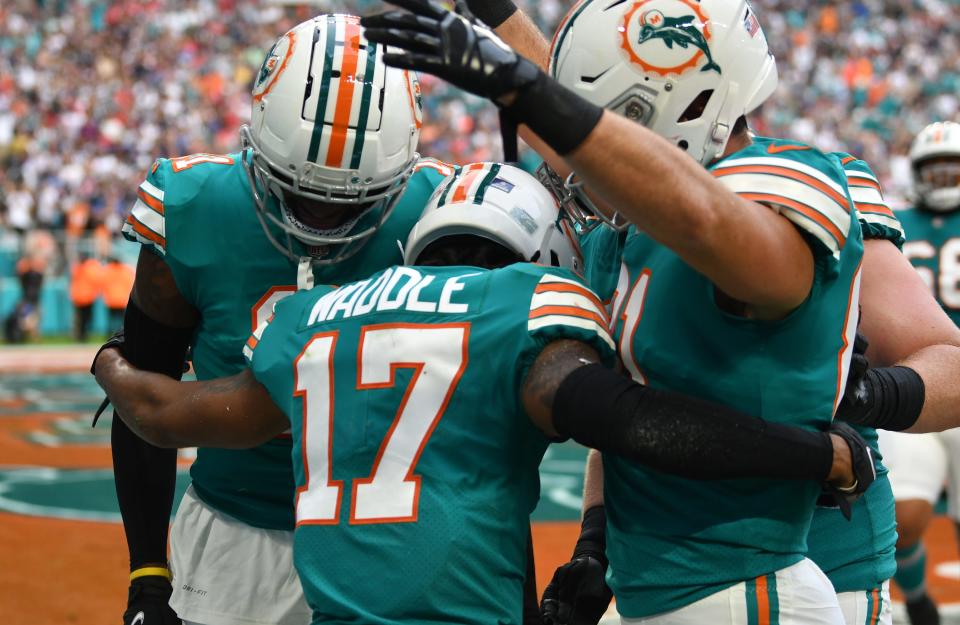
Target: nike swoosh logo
[776, 149]
[138, 619]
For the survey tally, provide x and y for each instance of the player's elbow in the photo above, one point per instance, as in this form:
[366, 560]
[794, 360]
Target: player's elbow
[156, 431]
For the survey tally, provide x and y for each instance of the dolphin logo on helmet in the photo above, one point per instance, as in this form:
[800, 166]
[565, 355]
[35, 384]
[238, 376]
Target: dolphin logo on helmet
[676, 30]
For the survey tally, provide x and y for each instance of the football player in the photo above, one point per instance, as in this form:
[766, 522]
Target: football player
[739, 280]
[421, 399]
[920, 464]
[928, 358]
[327, 183]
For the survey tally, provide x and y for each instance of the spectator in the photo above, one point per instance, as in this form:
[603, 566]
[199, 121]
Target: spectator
[92, 92]
[86, 282]
[117, 284]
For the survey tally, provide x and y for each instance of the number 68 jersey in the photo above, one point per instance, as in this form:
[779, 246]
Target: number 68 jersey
[933, 246]
[416, 465]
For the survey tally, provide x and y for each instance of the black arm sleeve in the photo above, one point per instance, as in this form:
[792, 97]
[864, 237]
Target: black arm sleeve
[493, 13]
[145, 475]
[682, 435]
[887, 398]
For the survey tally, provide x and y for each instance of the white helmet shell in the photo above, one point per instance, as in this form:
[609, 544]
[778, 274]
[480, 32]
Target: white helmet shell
[501, 203]
[935, 183]
[332, 123]
[650, 60]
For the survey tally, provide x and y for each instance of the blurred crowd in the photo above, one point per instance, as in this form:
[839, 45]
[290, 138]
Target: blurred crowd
[92, 91]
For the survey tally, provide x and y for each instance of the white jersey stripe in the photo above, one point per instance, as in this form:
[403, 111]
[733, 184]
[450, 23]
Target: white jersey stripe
[130, 232]
[552, 278]
[867, 195]
[810, 226]
[149, 217]
[793, 190]
[782, 162]
[557, 298]
[576, 322]
[151, 190]
[882, 220]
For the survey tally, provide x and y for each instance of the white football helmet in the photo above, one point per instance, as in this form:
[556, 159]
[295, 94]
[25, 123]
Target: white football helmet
[935, 160]
[686, 69]
[331, 123]
[501, 203]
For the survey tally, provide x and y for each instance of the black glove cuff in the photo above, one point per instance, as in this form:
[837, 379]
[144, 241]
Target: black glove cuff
[897, 395]
[554, 113]
[493, 13]
[593, 535]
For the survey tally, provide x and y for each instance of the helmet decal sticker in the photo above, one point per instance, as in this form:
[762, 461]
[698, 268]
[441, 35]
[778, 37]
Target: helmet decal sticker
[667, 37]
[273, 65]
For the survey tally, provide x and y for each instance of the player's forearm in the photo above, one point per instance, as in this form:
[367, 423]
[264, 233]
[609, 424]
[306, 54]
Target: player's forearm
[147, 402]
[592, 481]
[749, 252]
[686, 436]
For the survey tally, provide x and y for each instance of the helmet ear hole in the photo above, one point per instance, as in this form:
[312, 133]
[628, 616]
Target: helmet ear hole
[697, 107]
[554, 259]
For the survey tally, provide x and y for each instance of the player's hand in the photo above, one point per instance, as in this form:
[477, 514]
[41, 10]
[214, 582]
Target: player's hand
[843, 490]
[114, 342]
[148, 602]
[578, 593]
[455, 48]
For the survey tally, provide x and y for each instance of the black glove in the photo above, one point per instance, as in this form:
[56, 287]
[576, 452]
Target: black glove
[463, 52]
[148, 602]
[578, 593]
[864, 471]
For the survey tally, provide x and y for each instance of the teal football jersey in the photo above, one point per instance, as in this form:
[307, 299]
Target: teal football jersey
[859, 554]
[933, 246]
[416, 465]
[672, 541]
[198, 213]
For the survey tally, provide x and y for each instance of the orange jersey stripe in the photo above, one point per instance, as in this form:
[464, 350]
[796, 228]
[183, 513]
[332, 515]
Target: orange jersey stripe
[252, 342]
[880, 209]
[763, 601]
[786, 173]
[563, 287]
[150, 201]
[348, 83]
[569, 311]
[863, 182]
[803, 209]
[847, 159]
[145, 232]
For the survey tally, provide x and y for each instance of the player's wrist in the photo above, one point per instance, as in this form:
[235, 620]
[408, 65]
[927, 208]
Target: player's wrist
[592, 541]
[557, 115]
[151, 570]
[493, 13]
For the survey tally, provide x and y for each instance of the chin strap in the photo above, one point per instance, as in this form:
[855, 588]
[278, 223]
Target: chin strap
[305, 273]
